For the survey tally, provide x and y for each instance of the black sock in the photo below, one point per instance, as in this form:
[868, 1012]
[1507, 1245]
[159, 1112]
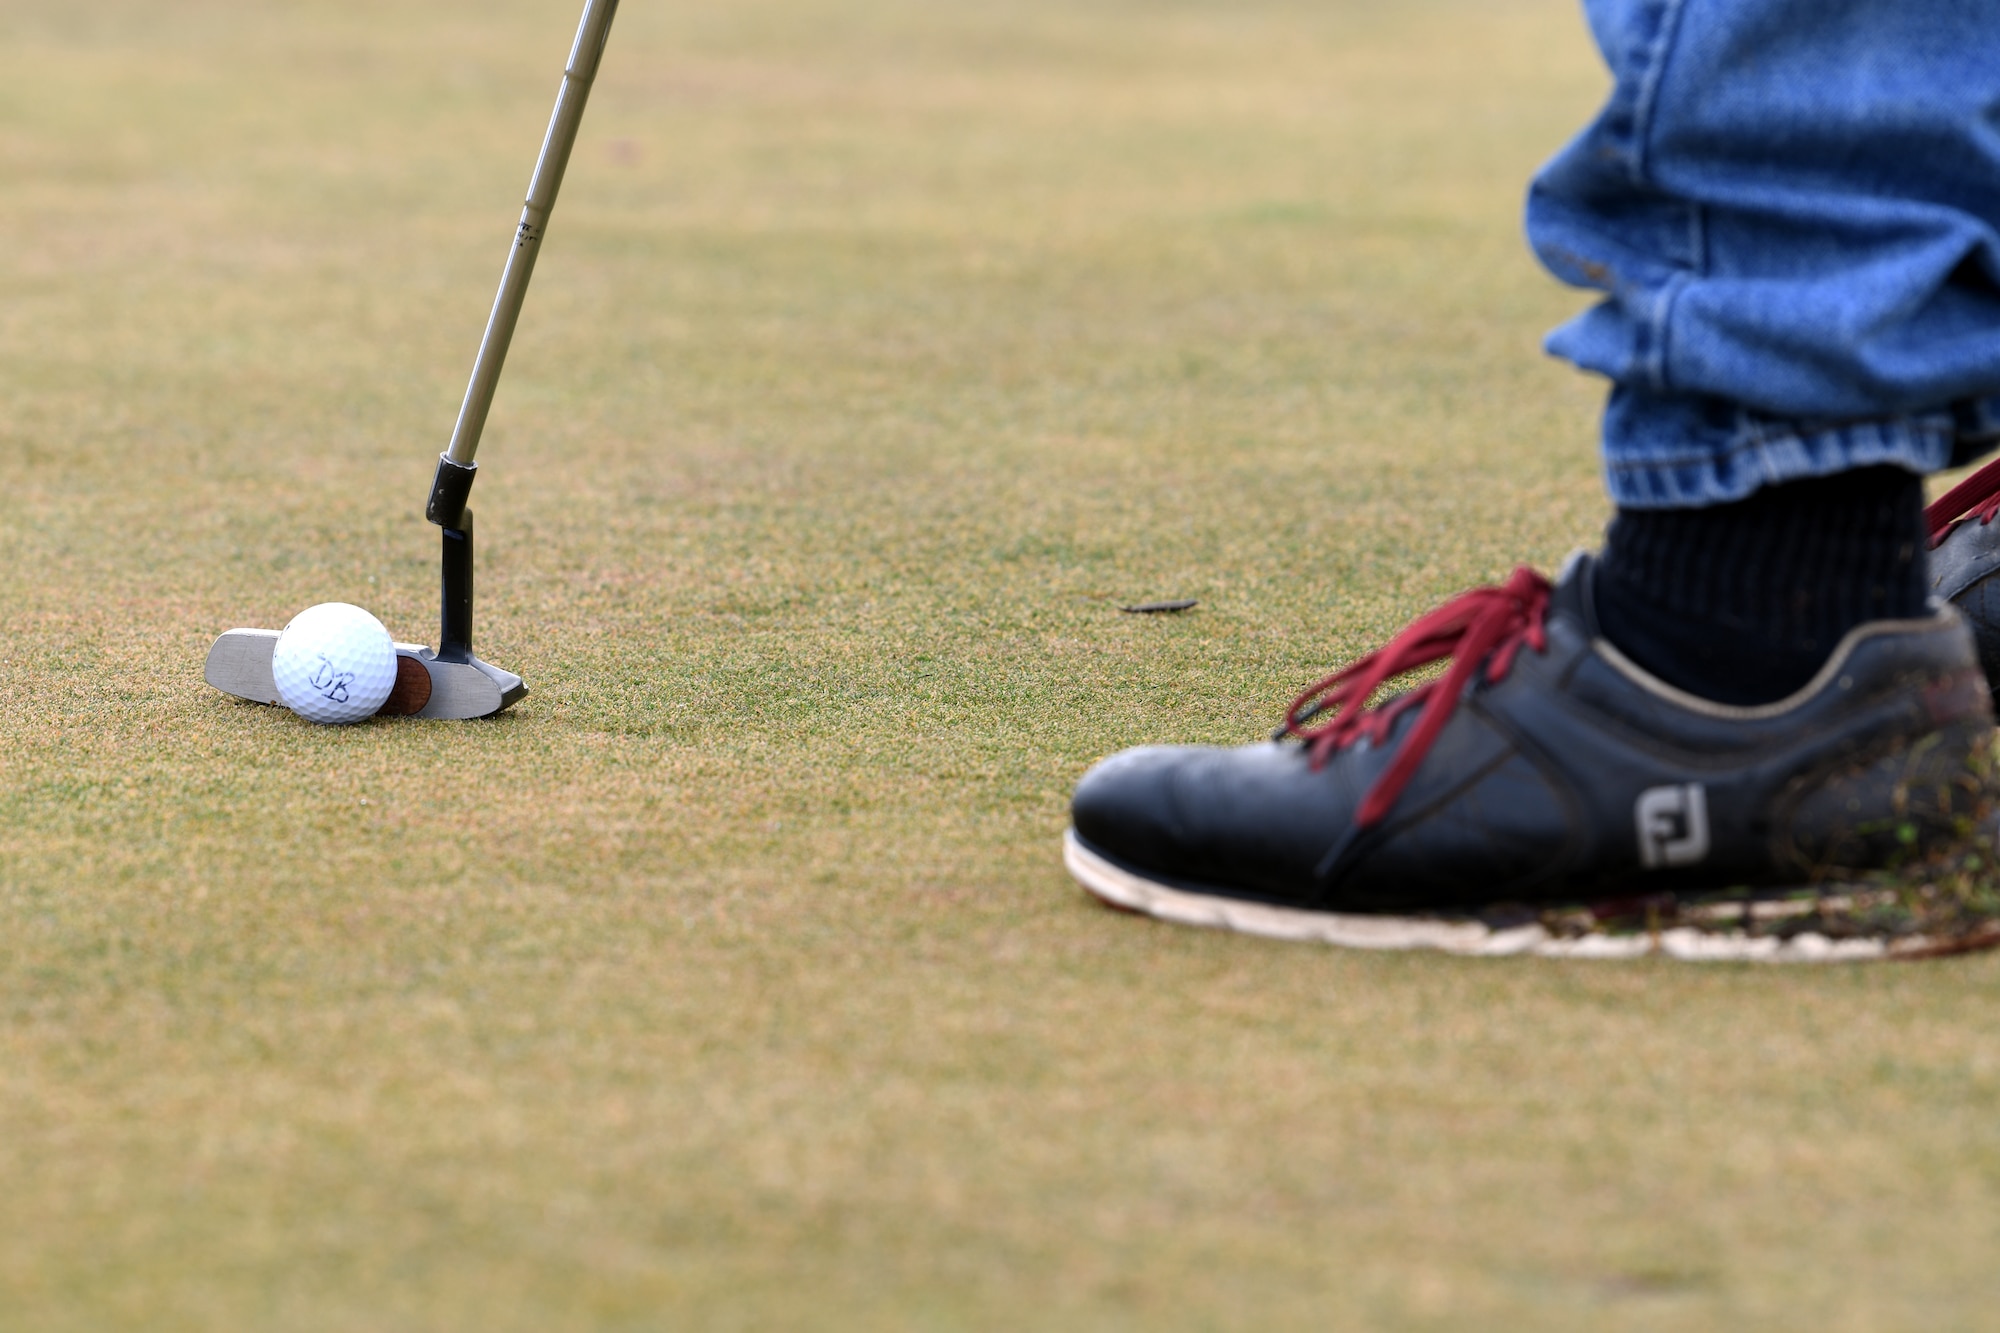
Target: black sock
[1741, 603]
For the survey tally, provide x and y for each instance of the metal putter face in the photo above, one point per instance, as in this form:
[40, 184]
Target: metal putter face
[239, 663]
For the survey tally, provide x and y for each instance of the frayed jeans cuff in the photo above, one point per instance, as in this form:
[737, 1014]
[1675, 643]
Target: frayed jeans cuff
[1666, 452]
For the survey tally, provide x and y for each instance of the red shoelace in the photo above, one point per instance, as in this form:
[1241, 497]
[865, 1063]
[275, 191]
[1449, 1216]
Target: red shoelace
[1977, 497]
[1486, 625]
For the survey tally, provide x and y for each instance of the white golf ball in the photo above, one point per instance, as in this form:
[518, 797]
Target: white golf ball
[334, 663]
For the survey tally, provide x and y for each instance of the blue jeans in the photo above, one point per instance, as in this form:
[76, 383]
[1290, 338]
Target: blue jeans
[1793, 207]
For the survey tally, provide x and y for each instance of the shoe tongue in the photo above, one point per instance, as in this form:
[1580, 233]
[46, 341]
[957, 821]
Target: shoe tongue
[1571, 597]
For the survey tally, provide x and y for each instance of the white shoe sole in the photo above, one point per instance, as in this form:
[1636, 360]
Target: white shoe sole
[1459, 935]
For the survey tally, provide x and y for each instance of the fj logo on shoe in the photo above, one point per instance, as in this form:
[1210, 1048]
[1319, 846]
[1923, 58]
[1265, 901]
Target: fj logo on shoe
[1673, 825]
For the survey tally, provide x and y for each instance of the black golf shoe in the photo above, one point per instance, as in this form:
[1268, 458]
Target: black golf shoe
[1965, 557]
[1542, 767]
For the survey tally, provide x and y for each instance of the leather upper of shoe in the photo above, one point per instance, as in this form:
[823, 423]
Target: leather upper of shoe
[1574, 771]
[1967, 553]
[1963, 565]
[1965, 556]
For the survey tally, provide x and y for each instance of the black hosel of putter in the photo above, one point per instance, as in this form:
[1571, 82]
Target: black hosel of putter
[450, 488]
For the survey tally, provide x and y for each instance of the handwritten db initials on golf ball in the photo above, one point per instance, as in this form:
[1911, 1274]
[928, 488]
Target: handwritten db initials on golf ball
[334, 663]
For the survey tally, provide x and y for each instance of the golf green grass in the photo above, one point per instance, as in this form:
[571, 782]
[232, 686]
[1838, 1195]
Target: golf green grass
[879, 351]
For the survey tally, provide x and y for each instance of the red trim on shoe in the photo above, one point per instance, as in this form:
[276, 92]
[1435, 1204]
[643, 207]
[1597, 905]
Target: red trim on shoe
[1486, 625]
[1978, 496]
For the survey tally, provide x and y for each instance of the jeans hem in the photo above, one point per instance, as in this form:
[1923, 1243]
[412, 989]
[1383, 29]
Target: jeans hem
[1761, 452]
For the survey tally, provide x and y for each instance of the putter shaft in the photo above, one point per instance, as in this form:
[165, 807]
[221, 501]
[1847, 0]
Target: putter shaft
[556, 145]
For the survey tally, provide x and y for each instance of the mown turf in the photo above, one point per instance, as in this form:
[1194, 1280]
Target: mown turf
[879, 350]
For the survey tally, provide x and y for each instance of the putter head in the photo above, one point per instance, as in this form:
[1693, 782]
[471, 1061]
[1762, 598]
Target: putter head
[239, 663]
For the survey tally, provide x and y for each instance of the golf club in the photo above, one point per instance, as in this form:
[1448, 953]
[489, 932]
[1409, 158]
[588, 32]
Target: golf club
[452, 682]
